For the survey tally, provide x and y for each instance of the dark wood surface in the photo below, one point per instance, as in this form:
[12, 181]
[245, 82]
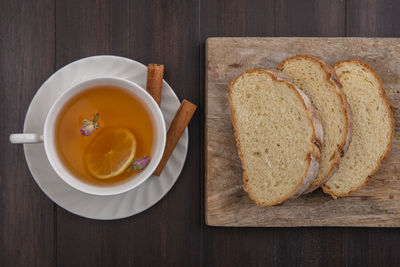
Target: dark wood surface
[38, 37]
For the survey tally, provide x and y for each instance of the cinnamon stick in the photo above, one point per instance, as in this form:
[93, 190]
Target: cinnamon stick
[155, 73]
[182, 118]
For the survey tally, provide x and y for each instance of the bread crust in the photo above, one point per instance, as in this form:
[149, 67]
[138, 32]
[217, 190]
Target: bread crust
[389, 147]
[316, 140]
[332, 79]
[349, 114]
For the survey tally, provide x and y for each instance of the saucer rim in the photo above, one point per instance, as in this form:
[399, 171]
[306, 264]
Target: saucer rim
[105, 218]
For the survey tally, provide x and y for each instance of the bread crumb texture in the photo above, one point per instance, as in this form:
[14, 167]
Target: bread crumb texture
[372, 130]
[309, 74]
[274, 134]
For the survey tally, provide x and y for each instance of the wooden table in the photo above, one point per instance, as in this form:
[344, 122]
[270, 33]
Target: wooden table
[39, 37]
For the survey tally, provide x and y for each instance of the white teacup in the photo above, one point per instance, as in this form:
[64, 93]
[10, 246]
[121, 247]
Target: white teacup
[48, 137]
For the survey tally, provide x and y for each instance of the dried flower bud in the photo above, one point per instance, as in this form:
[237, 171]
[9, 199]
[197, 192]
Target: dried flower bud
[140, 164]
[88, 126]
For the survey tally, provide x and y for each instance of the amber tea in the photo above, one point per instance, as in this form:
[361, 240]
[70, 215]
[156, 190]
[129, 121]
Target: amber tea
[102, 133]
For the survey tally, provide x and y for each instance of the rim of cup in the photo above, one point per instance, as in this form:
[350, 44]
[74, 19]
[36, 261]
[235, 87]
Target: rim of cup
[129, 183]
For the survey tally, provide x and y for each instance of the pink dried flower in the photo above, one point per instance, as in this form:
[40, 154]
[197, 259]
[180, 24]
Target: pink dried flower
[138, 164]
[88, 126]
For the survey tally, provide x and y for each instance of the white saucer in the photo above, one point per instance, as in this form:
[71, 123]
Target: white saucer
[77, 202]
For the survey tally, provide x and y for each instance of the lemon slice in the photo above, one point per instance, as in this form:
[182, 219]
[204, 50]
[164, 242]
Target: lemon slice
[110, 152]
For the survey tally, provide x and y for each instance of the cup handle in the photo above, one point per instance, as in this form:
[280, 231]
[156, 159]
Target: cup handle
[26, 138]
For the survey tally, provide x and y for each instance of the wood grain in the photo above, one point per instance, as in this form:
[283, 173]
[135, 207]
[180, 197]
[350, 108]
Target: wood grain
[237, 18]
[323, 246]
[167, 32]
[86, 28]
[375, 245]
[373, 18]
[226, 202]
[172, 233]
[310, 18]
[232, 246]
[26, 60]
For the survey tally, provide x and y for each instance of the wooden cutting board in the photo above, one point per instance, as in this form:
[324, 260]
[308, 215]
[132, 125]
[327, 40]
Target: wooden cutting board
[377, 204]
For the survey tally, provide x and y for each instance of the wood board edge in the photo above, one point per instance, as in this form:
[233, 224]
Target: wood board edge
[211, 220]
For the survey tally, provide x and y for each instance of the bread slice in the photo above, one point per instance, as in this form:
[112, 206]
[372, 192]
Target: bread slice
[277, 133]
[319, 81]
[373, 128]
